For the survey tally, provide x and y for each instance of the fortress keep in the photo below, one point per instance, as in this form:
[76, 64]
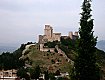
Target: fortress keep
[49, 36]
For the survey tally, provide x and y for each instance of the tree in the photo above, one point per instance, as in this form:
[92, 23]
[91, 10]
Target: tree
[52, 76]
[85, 63]
[46, 75]
[22, 73]
[36, 73]
[57, 73]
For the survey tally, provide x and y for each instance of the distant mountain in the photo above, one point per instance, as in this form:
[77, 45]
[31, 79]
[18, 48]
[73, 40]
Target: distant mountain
[101, 45]
[7, 49]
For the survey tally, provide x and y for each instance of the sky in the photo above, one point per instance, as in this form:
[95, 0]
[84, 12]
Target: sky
[23, 20]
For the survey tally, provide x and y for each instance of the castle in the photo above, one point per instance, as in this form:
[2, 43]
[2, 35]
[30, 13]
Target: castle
[49, 36]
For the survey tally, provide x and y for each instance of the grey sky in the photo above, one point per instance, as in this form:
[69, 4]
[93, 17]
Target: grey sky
[23, 20]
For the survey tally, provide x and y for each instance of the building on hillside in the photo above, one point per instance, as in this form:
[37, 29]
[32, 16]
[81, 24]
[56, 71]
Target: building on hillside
[49, 36]
[8, 74]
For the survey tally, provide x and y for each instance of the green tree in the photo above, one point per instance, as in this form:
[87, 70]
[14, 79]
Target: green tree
[22, 73]
[46, 75]
[85, 63]
[52, 76]
[36, 73]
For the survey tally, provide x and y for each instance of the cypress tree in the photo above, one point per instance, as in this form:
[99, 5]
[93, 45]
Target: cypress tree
[85, 63]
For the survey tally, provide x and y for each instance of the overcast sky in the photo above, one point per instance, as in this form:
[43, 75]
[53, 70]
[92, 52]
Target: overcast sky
[23, 20]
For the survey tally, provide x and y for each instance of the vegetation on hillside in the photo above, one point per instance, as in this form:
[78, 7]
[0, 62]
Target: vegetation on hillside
[51, 62]
[11, 60]
[47, 60]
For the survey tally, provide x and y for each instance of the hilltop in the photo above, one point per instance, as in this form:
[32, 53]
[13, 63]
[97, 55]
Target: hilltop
[51, 61]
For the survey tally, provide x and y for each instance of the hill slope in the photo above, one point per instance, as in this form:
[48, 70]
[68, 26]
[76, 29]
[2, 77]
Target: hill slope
[7, 49]
[46, 60]
[101, 45]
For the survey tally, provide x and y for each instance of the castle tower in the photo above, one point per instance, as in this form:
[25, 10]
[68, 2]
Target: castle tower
[48, 31]
[71, 35]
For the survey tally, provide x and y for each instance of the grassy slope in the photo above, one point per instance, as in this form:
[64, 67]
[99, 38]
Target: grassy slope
[44, 59]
